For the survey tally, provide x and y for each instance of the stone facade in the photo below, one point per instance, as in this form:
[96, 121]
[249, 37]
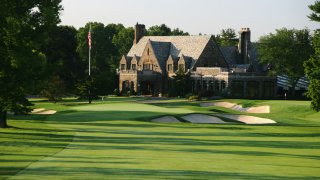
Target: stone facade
[152, 62]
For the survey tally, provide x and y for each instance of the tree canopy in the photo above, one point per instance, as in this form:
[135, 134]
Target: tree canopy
[164, 30]
[285, 52]
[24, 27]
[315, 15]
[312, 66]
[227, 37]
[123, 40]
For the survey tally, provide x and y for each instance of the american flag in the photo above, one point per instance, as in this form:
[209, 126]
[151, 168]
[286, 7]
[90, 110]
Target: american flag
[89, 39]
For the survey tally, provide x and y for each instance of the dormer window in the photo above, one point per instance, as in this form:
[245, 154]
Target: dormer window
[147, 66]
[170, 68]
[123, 67]
[134, 67]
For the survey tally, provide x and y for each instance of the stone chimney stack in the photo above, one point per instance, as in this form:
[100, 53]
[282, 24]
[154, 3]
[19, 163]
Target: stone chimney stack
[244, 45]
[139, 32]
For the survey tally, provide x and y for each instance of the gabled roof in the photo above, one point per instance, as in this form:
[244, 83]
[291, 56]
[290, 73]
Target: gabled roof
[230, 54]
[162, 51]
[136, 58]
[191, 46]
[126, 59]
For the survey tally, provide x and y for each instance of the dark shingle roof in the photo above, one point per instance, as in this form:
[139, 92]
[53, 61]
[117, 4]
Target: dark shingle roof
[230, 55]
[162, 51]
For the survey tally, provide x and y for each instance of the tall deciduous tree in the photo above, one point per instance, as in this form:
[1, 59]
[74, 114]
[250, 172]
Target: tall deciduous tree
[24, 27]
[312, 66]
[104, 55]
[164, 30]
[63, 62]
[285, 52]
[123, 40]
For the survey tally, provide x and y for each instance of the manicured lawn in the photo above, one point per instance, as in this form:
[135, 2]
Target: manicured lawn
[114, 139]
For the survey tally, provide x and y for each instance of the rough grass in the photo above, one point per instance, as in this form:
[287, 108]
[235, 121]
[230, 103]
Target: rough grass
[114, 139]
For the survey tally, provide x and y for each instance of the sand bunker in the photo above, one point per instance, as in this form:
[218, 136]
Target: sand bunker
[248, 119]
[37, 110]
[48, 112]
[166, 119]
[42, 111]
[202, 118]
[257, 109]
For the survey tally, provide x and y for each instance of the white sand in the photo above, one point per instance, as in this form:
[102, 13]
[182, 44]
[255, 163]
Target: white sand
[248, 119]
[202, 118]
[37, 110]
[257, 109]
[166, 119]
[48, 112]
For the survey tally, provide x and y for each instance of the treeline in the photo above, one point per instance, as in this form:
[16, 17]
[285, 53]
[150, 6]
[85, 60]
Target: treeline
[67, 53]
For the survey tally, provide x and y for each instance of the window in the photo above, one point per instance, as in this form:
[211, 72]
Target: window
[146, 66]
[170, 67]
[134, 67]
[123, 67]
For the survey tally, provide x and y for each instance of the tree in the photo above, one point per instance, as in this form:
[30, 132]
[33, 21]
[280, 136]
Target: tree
[54, 89]
[104, 55]
[312, 66]
[178, 32]
[24, 27]
[228, 37]
[62, 59]
[123, 40]
[285, 52]
[315, 15]
[164, 30]
[87, 89]
[180, 83]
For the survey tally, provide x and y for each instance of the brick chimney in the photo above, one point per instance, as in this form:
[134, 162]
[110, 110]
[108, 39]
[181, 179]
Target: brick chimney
[139, 32]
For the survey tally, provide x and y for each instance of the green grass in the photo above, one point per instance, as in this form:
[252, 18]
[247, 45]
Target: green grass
[114, 139]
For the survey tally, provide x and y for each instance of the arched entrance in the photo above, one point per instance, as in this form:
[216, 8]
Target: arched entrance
[147, 88]
[125, 87]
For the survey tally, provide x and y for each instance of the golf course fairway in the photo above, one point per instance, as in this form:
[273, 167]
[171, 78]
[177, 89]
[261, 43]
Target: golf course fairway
[116, 139]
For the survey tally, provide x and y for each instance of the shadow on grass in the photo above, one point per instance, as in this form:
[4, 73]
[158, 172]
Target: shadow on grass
[85, 172]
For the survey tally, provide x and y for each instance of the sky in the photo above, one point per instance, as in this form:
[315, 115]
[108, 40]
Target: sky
[193, 16]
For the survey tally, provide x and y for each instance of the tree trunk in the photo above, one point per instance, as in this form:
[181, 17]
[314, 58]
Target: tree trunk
[89, 97]
[3, 119]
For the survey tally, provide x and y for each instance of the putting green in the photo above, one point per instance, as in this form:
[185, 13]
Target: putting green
[114, 139]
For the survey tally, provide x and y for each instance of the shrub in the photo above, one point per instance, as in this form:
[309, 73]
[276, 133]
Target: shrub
[193, 98]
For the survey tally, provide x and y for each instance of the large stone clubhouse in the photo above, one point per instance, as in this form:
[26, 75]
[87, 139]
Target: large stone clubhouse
[232, 71]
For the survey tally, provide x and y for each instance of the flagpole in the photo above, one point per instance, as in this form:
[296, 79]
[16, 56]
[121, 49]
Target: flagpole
[90, 52]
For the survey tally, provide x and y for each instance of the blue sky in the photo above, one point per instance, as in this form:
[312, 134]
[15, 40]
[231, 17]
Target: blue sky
[193, 16]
